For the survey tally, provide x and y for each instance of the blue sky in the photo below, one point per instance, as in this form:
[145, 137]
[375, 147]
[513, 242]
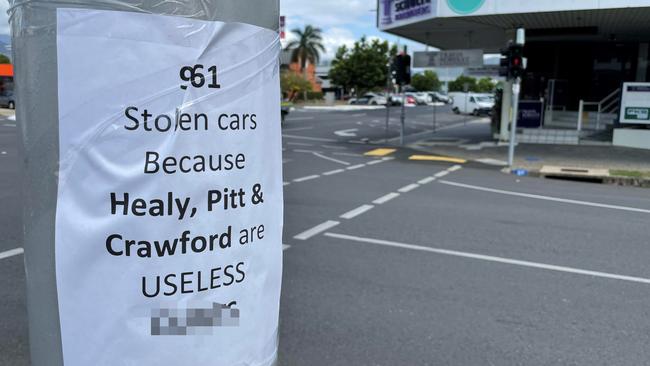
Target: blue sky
[342, 21]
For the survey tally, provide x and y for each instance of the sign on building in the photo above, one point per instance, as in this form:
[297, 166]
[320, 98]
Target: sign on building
[395, 12]
[635, 103]
[449, 58]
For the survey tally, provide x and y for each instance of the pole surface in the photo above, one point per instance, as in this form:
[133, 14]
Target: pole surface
[35, 56]
[516, 88]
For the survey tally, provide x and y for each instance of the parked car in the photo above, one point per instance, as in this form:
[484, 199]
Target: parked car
[439, 97]
[474, 103]
[369, 99]
[398, 99]
[421, 98]
[7, 100]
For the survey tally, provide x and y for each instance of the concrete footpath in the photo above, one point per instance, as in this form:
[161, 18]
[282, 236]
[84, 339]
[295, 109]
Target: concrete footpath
[632, 166]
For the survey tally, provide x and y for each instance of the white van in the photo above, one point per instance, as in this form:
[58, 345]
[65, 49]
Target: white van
[473, 103]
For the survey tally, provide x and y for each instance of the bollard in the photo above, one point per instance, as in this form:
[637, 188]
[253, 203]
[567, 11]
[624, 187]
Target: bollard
[34, 39]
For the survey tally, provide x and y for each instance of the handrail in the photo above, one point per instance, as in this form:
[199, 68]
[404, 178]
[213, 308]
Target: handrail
[611, 101]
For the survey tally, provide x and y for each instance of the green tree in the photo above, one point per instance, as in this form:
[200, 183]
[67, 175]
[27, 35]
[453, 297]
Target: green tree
[363, 67]
[426, 81]
[293, 84]
[459, 84]
[4, 59]
[308, 46]
[485, 85]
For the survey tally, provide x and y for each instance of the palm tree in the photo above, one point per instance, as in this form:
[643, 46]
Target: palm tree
[307, 48]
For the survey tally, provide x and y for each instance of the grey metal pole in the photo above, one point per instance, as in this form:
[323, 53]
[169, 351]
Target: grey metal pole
[435, 122]
[35, 56]
[516, 88]
[388, 85]
[402, 122]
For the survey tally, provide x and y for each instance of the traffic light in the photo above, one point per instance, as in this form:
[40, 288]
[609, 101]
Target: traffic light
[512, 64]
[517, 66]
[402, 69]
[504, 63]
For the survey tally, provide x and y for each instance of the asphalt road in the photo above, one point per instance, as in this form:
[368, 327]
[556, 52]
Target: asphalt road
[389, 261]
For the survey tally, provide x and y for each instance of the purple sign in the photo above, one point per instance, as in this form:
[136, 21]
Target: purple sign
[399, 10]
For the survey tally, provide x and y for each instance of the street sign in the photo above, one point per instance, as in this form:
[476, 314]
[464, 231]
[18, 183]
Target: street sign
[449, 58]
[635, 103]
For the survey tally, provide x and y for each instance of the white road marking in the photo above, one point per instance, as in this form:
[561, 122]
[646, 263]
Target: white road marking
[357, 211]
[455, 168]
[546, 198]
[334, 147]
[285, 247]
[11, 253]
[308, 138]
[374, 162]
[350, 132]
[348, 154]
[310, 177]
[441, 174]
[426, 180]
[332, 172]
[10, 125]
[299, 119]
[316, 230]
[298, 129]
[285, 183]
[331, 159]
[388, 158]
[489, 258]
[355, 167]
[3, 153]
[299, 144]
[408, 188]
[306, 151]
[385, 198]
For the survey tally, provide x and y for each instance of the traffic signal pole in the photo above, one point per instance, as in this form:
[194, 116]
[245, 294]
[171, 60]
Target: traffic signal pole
[516, 88]
[516, 67]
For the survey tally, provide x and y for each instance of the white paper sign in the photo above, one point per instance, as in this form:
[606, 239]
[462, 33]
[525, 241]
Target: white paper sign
[169, 212]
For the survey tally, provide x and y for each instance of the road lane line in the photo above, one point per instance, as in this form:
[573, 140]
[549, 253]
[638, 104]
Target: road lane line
[298, 180]
[454, 168]
[357, 211]
[334, 147]
[309, 138]
[380, 152]
[306, 151]
[331, 159]
[546, 198]
[445, 159]
[11, 253]
[285, 183]
[355, 167]
[385, 198]
[408, 188]
[285, 247]
[316, 230]
[299, 119]
[332, 172]
[426, 180]
[299, 144]
[488, 258]
[298, 129]
[374, 162]
[441, 174]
